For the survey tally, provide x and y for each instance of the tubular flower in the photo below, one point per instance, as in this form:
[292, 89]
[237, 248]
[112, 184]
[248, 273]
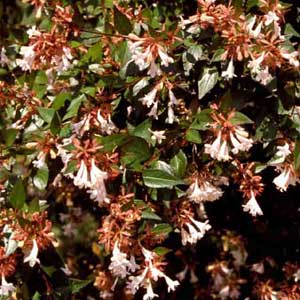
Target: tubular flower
[6, 288]
[32, 257]
[252, 206]
[285, 178]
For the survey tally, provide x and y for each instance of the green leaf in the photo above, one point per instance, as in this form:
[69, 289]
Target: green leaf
[207, 82]
[74, 106]
[94, 54]
[76, 285]
[239, 118]
[47, 114]
[297, 155]
[142, 130]
[9, 136]
[160, 179]
[112, 141]
[161, 251]
[252, 3]
[60, 100]
[36, 296]
[193, 136]
[290, 31]
[202, 120]
[194, 53]
[163, 228]
[17, 196]
[134, 152]
[40, 180]
[121, 22]
[179, 163]
[148, 214]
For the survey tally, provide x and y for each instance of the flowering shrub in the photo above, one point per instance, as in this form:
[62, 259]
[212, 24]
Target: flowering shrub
[148, 148]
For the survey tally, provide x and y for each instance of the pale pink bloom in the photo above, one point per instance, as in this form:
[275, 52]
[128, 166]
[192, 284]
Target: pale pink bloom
[32, 257]
[240, 140]
[27, 61]
[171, 116]
[229, 73]
[291, 57]
[149, 291]
[119, 262]
[224, 152]
[82, 178]
[252, 206]
[214, 148]
[3, 58]
[258, 268]
[82, 126]
[271, 17]
[40, 161]
[172, 98]
[6, 288]
[204, 192]
[153, 112]
[263, 76]
[157, 135]
[33, 32]
[149, 98]
[165, 59]
[255, 64]
[107, 126]
[154, 70]
[285, 178]
[196, 231]
[63, 63]
[283, 151]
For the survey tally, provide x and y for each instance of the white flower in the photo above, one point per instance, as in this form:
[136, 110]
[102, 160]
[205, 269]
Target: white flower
[258, 268]
[82, 126]
[286, 178]
[27, 61]
[172, 98]
[263, 76]
[196, 231]
[165, 59]
[153, 112]
[6, 288]
[149, 98]
[32, 258]
[149, 291]
[252, 206]
[271, 17]
[82, 178]
[157, 135]
[154, 70]
[240, 141]
[3, 58]
[119, 262]
[40, 162]
[255, 64]
[291, 57]
[214, 148]
[33, 32]
[107, 126]
[229, 73]
[223, 154]
[283, 151]
[171, 116]
[205, 192]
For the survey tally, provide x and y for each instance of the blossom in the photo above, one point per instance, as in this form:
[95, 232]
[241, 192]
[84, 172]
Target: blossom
[6, 288]
[255, 64]
[271, 17]
[40, 162]
[82, 126]
[157, 135]
[229, 73]
[27, 61]
[240, 140]
[196, 231]
[3, 58]
[32, 257]
[82, 178]
[263, 76]
[291, 57]
[218, 149]
[33, 32]
[107, 126]
[205, 192]
[252, 206]
[119, 262]
[285, 178]
[165, 59]
[149, 291]
[149, 98]
[283, 151]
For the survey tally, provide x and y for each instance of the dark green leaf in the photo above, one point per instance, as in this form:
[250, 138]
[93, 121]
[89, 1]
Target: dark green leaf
[149, 215]
[179, 163]
[17, 196]
[40, 180]
[76, 285]
[122, 23]
[207, 82]
[74, 106]
[163, 228]
[9, 136]
[239, 119]
[297, 155]
[47, 114]
[193, 136]
[160, 179]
